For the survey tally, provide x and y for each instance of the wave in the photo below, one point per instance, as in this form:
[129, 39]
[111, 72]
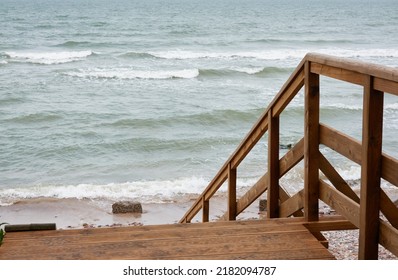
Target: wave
[251, 70]
[290, 40]
[128, 74]
[157, 191]
[389, 107]
[138, 55]
[263, 55]
[146, 191]
[48, 57]
[213, 118]
[73, 44]
[35, 118]
[270, 54]
[392, 107]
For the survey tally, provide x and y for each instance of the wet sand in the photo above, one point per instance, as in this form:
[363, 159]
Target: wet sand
[79, 213]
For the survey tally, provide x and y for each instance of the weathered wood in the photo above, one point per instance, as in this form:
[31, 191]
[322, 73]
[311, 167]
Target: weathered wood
[30, 227]
[287, 162]
[252, 194]
[205, 210]
[338, 73]
[292, 205]
[340, 142]
[311, 145]
[388, 237]
[329, 225]
[389, 209]
[273, 167]
[251, 139]
[224, 240]
[231, 193]
[291, 158]
[284, 196]
[213, 186]
[371, 69]
[338, 201]
[351, 149]
[336, 179]
[385, 85]
[288, 92]
[371, 171]
[390, 169]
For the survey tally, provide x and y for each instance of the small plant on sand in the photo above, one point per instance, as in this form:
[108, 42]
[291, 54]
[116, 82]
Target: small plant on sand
[2, 232]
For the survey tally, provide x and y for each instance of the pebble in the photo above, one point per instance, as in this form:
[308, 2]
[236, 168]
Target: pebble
[343, 245]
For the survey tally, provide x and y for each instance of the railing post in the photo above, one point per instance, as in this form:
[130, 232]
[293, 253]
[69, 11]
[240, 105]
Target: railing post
[371, 171]
[273, 166]
[205, 210]
[311, 145]
[231, 193]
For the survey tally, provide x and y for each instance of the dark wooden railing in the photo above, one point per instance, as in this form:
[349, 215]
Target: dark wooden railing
[364, 212]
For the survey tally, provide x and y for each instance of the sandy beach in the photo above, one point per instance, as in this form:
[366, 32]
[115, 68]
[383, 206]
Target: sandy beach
[80, 213]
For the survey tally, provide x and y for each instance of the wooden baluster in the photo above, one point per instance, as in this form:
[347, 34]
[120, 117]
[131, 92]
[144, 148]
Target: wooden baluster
[231, 193]
[205, 210]
[273, 166]
[311, 145]
[372, 131]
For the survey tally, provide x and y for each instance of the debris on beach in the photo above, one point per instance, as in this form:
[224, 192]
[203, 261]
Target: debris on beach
[126, 207]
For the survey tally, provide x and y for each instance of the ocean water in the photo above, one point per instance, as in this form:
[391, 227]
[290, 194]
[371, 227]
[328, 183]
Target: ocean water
[147, 99]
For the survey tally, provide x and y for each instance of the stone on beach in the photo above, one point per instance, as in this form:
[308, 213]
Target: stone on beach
[262, 205]
[126, 207]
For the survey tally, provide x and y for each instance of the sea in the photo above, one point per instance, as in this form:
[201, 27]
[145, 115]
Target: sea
[147, 99]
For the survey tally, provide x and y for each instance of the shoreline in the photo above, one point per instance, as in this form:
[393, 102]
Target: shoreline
[74, 213]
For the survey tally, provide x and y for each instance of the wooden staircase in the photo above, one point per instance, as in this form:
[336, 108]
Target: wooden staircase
[372, 211]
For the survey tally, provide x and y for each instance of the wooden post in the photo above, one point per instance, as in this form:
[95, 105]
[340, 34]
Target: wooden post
[372, 131]
[231, 193]
[311, 145]
[205, 210]
[273, 166]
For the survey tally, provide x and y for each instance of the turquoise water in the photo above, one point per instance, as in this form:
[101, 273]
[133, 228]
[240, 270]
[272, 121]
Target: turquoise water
[114, 99]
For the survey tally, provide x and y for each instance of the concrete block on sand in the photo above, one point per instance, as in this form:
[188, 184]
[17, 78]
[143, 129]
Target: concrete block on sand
[126, 207]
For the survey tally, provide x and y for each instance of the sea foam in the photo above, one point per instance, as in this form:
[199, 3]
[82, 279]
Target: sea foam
[146, 191]
[48, 57]
[127, 73]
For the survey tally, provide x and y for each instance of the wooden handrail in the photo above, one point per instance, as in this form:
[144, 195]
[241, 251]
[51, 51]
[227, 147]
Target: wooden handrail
[285, 95]
[363, 213]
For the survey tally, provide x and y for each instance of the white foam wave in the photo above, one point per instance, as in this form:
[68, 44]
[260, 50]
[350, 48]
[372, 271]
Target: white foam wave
[393, 106]
[250, 71]
[3, 62]
[276, 54]
[267, 55]
[353, 173]
[134, 74]
[48, 57]
[343, 106]
[145, 191]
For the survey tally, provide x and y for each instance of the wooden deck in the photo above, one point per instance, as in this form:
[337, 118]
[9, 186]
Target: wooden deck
[257, 239]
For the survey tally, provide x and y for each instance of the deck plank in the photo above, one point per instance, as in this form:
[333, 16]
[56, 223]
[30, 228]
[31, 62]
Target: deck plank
[224, 240]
